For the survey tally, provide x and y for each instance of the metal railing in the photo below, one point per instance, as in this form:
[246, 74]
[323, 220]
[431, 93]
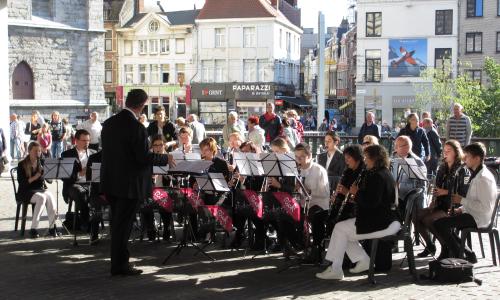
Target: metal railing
[316, 140]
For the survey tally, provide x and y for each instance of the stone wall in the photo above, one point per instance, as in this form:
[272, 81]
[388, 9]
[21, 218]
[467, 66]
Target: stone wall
[95, 15]
[96, 66]
[71, 12]
[19, 9]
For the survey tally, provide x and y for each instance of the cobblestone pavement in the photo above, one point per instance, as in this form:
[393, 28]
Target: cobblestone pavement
[51, 268]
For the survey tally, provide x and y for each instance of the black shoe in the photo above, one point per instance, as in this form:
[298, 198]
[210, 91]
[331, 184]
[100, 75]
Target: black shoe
[288, 251]
[314, 256]
[54, 232]
[152, 235]
[130, 271]
[166, 235]
[94, 240]
[34, 234]
[429, 250]
[471, 257]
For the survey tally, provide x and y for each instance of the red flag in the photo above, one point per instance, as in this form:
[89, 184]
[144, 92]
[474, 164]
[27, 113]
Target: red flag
[222, 217]
[289, 204]
[163, 199]
[255, 201]
[193, 198]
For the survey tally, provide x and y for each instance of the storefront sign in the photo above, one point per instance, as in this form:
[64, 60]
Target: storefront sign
[403, 101]
[278, 102]
[250, 91]
[208, 91]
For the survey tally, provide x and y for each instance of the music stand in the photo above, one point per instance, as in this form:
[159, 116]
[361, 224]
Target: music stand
[185, 168]
[58, 168]
[411, 168]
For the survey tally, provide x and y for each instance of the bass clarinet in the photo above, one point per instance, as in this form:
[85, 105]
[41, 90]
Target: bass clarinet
[349, 195]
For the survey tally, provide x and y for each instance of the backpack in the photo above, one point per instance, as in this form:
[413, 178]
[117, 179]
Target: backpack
[452, 270]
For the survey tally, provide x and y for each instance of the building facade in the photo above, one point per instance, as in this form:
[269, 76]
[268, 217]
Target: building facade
[56, 57]
[248, 53]
[396, 40]
[479, 36]
[111, 13]
[155, 53]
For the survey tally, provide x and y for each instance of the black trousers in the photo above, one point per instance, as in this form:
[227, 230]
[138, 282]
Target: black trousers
[123, 214]
[80, 194]
[147, 215]
[448, 237]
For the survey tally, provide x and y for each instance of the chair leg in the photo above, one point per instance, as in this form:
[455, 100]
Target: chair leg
[18, 210]
[463, 238]
[373, 254]
[492, 244]
[23, 218]
[481, 243]
[497, 242]
[469, 240]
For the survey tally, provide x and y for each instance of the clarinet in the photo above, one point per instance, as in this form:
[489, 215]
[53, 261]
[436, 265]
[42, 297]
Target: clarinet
[349, 195]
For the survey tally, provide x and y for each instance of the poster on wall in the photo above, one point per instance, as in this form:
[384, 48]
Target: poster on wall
[407, 57]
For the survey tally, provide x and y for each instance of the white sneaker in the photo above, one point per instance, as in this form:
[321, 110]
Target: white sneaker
[330, 274]
[361, 266]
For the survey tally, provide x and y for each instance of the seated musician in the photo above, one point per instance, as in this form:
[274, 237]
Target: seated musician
[185, 140]
[369, 140]
[316, 185]
[452, 178]
[97, 199]
[235, 141]
[288, 231]
[32, 189]
[333, 159]
[374, 197]
[76, 187]
[353, 155]
[158, 145]
[209, 151]
[476, 207]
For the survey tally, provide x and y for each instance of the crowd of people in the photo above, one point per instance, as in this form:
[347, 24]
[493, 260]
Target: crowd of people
[347, 194]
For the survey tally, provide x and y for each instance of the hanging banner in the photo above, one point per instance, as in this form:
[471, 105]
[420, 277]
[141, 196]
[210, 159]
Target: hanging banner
[163, 199]
[289, 204]
[255, 201]
[221, 216]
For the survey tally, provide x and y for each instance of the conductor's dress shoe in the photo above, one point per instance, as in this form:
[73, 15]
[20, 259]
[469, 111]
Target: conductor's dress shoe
[130, 271]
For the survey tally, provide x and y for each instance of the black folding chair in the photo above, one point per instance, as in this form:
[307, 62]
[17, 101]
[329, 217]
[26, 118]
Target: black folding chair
[20, 203]
[404, 235]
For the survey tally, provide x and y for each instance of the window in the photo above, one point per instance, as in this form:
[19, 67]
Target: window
[281, 39]
[154, 26]
[498, 40]
[220, 70]
[249, 74]
[474, 8]
[444, 22]
[108, 40]
[263, 70]
[474, 42]
[129, 73]
[164, 46]
[474, 75]
[108, 71]
[220, 37]
[153, 74]
[442, 57]
[179, 45]
[142, 73]
[248, 37]
[143, 47]
[288, 41]
[374, 24]
[165, 73]
[206, 71]
[153, 46]
[128, 47]
[180, 73]
[372, 66]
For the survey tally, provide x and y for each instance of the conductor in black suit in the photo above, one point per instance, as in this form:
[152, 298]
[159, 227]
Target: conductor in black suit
[126, 171]
[333, 159]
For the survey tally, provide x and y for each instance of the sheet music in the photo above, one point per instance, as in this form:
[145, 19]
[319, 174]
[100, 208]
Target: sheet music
[242, 163]
[188, 166]
[192, 156]
[204, 183]
[270, 164]
[410, 167]
[177, 155]
[255, 164]
[288, 164]
[96, 172]
[66, 167]
[219, 182]
[50, 166]
[160, 170]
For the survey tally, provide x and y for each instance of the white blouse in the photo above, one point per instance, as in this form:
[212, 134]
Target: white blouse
[316, 180]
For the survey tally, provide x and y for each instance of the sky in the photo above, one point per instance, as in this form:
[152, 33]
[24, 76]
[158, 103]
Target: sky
[334, 10]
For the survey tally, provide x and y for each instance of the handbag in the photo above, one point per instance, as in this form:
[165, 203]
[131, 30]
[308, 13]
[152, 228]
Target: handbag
[452, 270]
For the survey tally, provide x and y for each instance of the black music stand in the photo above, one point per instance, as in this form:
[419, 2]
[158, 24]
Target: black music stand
[185, 168]
[58, 168]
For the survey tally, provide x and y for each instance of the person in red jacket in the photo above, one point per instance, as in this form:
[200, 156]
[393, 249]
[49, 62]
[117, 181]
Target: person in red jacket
[271, 123]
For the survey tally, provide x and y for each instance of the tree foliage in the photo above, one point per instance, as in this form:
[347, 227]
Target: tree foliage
[440, 89]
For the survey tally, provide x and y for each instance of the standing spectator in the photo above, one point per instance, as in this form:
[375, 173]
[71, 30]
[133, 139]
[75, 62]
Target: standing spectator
[288, 133]
[255, 133]
[70, 134]
[21, 125]
[297, 125]
[459, 126]
[324, 125]
[15, 138]
[231, 127]
[94, 127]
[425, 115]
[58, 133]
[45, 139]
[33, 127]
[386, 129]
[333, 125]
[418, 137]
[270, 122]
[435, 145]
[162, 125]
[197, 127]
[3, 149]
[143, 119]
[39, 117]
[369, 128]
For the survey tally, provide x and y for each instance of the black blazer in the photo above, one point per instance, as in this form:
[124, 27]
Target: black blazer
[26, 190]
[336, 167]
[77, 167]
[126, 160]
[375, 198]
[168, 130]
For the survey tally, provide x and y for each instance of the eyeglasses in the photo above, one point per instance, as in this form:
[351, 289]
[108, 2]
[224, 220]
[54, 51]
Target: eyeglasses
[158, 145]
